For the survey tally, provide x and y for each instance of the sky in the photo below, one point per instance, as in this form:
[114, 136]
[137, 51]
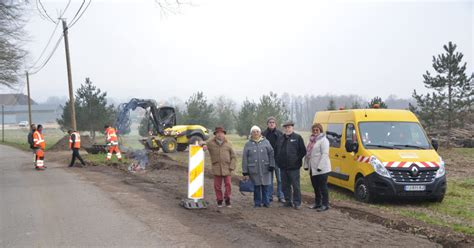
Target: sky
[243, 49]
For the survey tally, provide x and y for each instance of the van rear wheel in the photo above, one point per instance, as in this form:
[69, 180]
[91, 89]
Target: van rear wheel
[362, 192]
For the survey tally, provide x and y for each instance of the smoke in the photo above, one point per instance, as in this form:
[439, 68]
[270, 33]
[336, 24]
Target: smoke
[140, 158]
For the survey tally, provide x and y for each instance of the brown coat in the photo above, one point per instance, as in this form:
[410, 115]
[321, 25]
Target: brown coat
[222, 157]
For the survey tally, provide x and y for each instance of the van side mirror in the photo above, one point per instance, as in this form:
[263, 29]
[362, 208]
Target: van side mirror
[352, 146]
[435, 144]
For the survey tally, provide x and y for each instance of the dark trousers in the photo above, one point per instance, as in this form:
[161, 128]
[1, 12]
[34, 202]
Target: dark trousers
[320, 186]
[75, 154]
[260, 195]
[290, 180]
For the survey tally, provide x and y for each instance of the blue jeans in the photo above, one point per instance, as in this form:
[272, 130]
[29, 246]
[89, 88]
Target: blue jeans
[279, 193]
[261, 191]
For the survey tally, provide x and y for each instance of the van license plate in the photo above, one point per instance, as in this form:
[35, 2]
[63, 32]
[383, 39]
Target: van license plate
[415, 187]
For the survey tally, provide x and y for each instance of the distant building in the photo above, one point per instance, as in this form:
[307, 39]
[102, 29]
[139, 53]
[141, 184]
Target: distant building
[16, 110]
[15, 99]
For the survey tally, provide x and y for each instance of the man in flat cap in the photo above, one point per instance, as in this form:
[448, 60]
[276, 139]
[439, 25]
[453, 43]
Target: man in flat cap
[290, 151]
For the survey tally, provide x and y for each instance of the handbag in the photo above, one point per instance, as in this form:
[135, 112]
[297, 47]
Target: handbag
[246, 186]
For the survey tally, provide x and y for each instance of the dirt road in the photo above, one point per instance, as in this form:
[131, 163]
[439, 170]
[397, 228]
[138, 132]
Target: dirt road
[107, 207]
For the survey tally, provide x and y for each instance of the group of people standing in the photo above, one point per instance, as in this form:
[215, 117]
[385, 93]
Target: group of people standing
[273, 154]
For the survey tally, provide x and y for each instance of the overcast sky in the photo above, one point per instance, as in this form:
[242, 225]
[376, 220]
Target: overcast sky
[246, 48]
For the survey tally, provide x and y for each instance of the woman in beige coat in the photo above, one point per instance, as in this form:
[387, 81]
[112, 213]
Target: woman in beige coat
[318, 163]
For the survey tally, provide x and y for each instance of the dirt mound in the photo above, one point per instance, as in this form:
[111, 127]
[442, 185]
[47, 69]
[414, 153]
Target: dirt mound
[63, 143]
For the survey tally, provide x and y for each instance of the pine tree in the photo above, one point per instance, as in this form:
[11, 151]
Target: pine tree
[199, 111]
[453, 87]
[270, 105]
[225, 113]
[246, 118]
[331, 105]
[377, 100]
[428, 109]
[92, 112]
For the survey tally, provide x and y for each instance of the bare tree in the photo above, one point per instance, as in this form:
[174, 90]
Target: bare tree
[11, 33]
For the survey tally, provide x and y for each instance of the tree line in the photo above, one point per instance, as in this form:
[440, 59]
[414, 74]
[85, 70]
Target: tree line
[448, 105]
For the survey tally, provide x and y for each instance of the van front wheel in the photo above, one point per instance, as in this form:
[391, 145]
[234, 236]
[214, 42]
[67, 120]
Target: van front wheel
[362, 192]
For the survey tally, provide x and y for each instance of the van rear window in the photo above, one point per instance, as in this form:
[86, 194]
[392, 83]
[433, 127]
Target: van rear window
[334, 134]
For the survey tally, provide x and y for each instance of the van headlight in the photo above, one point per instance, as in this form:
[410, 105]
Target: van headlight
[442, 170]
[379, 167]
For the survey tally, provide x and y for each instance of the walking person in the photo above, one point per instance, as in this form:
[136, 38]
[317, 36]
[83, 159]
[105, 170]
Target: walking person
[223, 164]
[258, 163]
[290, 153]
[319, 166]
[75, 145]
[39, 145]
[272, 134]
[112, 143]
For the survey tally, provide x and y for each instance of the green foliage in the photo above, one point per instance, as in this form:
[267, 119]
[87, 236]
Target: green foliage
[145, 126]
[331, 105]
[199, 111]
[356, 105]
[377, 100]
[270, 105]
[453, 90]
[225, 113]
[246, 117]
[92, 112]
[429, 109]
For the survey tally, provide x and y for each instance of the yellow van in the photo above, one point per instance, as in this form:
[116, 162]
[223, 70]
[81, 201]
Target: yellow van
[380, 153]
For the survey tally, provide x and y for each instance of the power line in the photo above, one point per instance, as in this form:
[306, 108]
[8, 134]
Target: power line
[47, 45]
[46, 12]
[49, 57]
[78, 10]
[74, 21]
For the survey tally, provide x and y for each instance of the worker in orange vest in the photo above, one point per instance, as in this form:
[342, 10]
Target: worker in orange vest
[75, 145]
[39, 145]
[112, 142]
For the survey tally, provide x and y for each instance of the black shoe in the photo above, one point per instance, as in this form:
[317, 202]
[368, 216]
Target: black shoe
[266, 205]
[287, 205]
[314, 206]
[322, 208]
[227, 203]
[70, 166]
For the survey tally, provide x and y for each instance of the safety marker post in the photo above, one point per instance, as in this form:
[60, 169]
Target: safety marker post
[195, 198]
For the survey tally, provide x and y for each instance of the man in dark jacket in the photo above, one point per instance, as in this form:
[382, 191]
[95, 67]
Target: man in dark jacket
[290, 150]
[272, 134]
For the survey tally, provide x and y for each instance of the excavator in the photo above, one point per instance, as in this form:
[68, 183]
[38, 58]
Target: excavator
[164, 132]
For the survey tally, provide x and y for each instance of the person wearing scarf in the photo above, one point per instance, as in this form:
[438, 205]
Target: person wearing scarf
[319, 166]
[258, 163]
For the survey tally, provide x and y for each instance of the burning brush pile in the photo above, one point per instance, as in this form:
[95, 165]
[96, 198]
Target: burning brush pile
[148, 160]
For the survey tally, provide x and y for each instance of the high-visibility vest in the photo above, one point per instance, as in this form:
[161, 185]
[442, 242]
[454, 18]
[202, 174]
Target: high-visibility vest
[111, 136]
[38, 140]
[77, 140]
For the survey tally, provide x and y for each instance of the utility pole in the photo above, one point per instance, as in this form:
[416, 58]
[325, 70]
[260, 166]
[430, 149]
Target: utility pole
[30, 121]
[69, 77]
[3, 124]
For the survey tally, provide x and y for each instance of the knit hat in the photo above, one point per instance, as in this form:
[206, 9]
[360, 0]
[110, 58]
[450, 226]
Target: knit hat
[271, 118]
[255, 128]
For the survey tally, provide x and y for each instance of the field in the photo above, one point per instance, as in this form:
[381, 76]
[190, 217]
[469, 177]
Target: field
[456, 212]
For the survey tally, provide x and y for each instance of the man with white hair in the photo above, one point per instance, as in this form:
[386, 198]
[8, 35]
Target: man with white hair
[290, 151]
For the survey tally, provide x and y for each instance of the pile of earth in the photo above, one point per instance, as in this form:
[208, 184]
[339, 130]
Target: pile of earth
[63, 143]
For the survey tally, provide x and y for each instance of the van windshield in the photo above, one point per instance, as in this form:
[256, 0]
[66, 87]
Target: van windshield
[393, 135]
